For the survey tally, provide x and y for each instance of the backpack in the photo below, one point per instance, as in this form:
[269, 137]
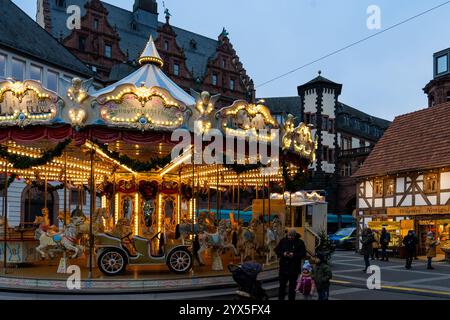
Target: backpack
[305, 286]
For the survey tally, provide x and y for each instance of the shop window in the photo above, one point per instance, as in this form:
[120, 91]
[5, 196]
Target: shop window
[431, 183]
[378, 188]
[2, 65]
[18, 70]
[390, 187]
[36, 73]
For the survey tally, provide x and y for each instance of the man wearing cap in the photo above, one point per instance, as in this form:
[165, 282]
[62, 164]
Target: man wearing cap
[291, 251]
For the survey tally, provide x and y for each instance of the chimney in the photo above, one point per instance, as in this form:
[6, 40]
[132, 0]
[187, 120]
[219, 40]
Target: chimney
[146, 5]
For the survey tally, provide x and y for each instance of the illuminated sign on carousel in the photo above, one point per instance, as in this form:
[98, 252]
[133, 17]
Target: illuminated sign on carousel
[299, 139]
[247, 120]
[141, 108]
[25, 103]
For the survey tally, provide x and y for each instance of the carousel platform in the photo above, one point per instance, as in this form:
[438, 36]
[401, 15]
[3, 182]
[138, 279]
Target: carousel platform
[43, 277]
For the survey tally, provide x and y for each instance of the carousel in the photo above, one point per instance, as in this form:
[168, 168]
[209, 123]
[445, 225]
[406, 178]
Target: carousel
[90, 178]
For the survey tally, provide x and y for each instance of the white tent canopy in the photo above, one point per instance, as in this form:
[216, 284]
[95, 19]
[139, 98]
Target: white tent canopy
[150, 75]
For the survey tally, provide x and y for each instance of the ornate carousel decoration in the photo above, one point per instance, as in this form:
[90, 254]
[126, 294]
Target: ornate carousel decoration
[27, 103]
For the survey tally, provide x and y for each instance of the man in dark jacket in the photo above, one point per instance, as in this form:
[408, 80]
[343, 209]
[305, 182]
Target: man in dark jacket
[385, 239]
[410, 243]
[291, 251]
[367, 241]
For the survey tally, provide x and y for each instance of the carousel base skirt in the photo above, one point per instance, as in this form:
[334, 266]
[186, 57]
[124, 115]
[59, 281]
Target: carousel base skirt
[43, 277]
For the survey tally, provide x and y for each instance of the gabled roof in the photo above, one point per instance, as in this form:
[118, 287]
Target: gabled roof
[415, 141]
[132, 41]
[21, 33]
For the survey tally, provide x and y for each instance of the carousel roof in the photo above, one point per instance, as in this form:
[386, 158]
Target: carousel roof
[150, 75]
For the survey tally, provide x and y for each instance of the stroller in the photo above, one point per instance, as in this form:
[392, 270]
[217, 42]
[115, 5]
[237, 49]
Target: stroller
[246, 278]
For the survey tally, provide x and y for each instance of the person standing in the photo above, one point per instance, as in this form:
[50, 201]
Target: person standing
[291, 250]
[385, 239]
[305, 284]
[410, 243]
[375, 246]
[430, 245]
[322, 276]
[367, 241]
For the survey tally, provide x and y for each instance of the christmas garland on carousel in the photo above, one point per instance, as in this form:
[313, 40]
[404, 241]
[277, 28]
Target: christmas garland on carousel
[136, 165]
[24, 162]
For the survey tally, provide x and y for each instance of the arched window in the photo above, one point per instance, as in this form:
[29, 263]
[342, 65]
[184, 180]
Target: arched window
[33, 201]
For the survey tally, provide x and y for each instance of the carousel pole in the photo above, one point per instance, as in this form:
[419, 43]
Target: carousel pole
[270, 209]
[5, 217]
[92, 207]
[264, 207]
[217, 193]
[179, 196]
[65, 189]
[193, 189]
[239, 199]
[113, 201]
[46, 190]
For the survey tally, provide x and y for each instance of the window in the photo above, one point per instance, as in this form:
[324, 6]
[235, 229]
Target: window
[307, 118]
[313, 119]
[442, 64]
[390, 187]
[108, 51]
[193, 44]
[60, 3]
[96, 22]
[176, 69]
[362, 143]
[325, 154]
[36, 73]
[324, 123]
[214, 80]
[94, 68]
[82, 44]
[448, 96]
[430, 183]
[18, 70]
[331, 125]
[224, 63]
[52, 81]
[232, 84]
[346, 170]
[166, 45]
[378, 188]
[2, 65]
[346, 143]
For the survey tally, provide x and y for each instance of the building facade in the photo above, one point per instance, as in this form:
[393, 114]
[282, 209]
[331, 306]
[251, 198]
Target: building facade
[27, 52]
[345, 136]
[111, 39]
[405, 182]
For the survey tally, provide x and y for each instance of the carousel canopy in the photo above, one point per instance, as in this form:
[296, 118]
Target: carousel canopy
[150, 75]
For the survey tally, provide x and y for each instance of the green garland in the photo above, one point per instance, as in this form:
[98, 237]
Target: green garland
[296, 183]
[242, 168]
[50, 188]
[136, 165]
[24, 162]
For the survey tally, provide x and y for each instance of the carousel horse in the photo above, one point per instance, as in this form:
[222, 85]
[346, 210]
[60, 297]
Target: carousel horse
[217, 242]
[247, 242]
[100, 218]
[64, 241]
[122, 230]
[42, 227]
[273, 237]
[187, 228]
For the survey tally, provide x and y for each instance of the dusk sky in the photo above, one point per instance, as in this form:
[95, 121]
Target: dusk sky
[383, 76]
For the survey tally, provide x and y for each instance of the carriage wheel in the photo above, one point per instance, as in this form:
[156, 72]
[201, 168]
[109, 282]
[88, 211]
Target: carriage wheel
[112, 262]
[180, 261]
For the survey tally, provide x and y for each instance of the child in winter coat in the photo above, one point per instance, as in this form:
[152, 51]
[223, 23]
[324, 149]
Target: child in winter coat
[305, 284]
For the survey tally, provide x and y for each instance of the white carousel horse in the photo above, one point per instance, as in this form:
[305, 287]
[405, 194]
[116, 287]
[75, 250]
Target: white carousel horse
[217, 242]
[65, 241]
[273, 237]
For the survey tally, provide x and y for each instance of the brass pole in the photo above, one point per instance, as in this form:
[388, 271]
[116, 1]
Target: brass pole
[65, 189]
[45, 191]
[217, 190]
[264, 207]
[179, 196]
[239, 199]
[113, 201]
[5, 217]
[268, 191]
[92, 198]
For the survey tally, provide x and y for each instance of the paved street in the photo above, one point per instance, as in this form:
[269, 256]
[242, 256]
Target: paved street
[397, 282]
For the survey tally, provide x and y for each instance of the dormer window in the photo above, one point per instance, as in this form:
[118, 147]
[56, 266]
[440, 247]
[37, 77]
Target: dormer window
[442, 64]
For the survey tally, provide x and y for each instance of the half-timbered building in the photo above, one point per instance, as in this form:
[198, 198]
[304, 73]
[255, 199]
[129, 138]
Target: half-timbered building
[404, 184]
